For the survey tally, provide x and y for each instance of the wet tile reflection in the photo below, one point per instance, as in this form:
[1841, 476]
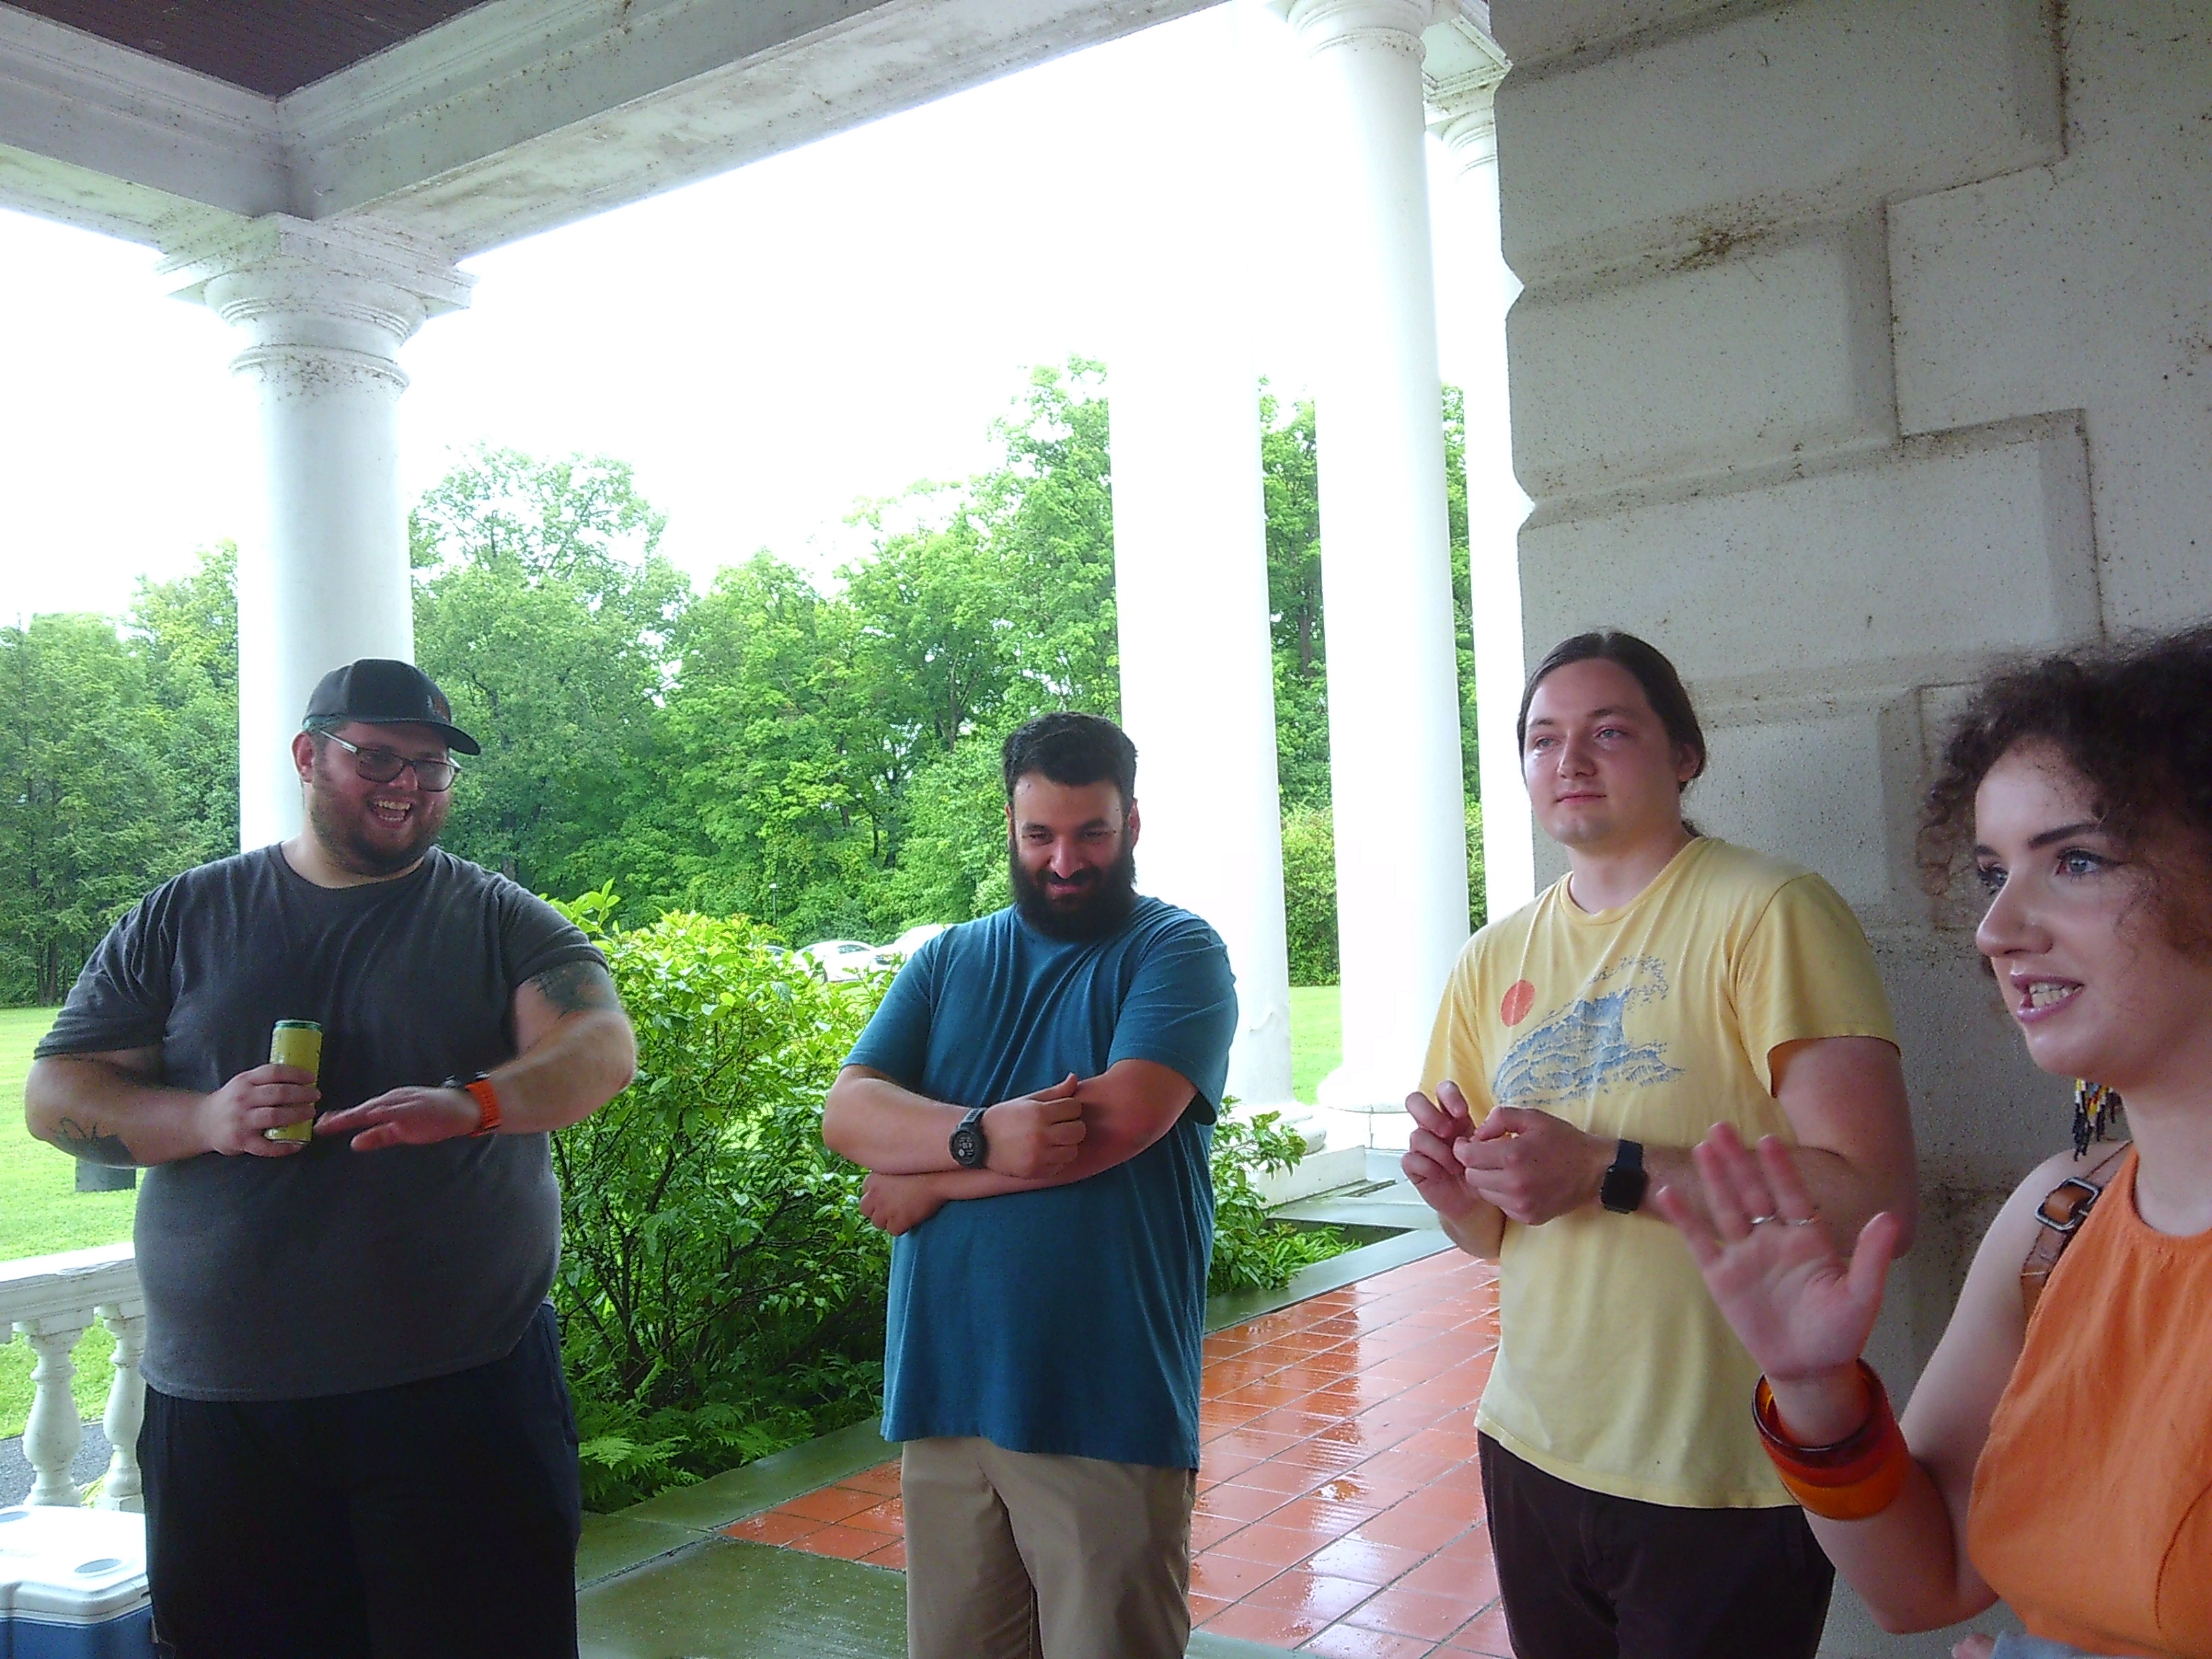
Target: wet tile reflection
[1340, 1510]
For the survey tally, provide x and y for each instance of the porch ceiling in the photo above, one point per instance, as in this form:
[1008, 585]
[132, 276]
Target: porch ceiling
[503, 118]
[286, 48]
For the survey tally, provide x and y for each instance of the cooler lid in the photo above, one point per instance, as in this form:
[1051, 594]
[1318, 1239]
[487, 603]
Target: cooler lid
[71, 1566]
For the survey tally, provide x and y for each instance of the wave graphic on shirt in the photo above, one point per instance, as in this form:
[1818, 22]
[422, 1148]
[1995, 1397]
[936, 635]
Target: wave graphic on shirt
[1584, 1049]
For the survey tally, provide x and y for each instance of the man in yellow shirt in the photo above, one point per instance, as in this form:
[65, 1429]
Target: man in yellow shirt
[1668, 982]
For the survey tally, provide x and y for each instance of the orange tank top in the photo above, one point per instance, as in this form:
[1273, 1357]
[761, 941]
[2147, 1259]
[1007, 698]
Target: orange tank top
[2092, 1509]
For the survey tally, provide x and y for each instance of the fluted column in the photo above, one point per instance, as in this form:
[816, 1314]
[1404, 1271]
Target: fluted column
[323, 579]
[1393, 680]
[1462, 115]
[1190, 561]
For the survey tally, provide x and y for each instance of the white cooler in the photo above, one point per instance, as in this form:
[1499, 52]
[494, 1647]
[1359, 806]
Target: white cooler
[73, 1585]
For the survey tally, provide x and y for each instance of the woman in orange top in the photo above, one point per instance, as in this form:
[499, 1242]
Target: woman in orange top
[2062, 1460]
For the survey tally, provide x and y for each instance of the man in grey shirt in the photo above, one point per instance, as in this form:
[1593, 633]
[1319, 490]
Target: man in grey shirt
[357, 1439]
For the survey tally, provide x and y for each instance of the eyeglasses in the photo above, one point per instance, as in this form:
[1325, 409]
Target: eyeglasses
[383, 765]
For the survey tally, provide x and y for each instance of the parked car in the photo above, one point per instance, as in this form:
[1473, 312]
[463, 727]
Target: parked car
[842, 959]
[909, 942]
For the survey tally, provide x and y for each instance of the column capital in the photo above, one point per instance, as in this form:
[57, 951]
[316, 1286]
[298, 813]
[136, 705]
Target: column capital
[351, 291]
[1320, 24]
[1460, 78]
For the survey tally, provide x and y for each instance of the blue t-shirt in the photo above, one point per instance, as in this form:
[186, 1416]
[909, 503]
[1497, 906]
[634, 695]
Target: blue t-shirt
[1066, 1320]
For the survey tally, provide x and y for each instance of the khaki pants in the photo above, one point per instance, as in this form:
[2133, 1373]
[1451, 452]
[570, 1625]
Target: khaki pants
[1022, 1555]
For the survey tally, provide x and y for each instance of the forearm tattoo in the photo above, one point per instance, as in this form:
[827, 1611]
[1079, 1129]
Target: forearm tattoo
[574, 987]
[85, 1141]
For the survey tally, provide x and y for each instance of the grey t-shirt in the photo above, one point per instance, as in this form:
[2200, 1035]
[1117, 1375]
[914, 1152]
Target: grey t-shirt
[330, 1271]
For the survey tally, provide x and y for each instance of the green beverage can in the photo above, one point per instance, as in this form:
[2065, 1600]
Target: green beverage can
[296, 1042]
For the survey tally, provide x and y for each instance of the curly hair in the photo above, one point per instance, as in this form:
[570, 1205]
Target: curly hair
[2133, 719]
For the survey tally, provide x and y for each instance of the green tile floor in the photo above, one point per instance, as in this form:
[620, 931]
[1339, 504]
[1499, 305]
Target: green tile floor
[659, 1581]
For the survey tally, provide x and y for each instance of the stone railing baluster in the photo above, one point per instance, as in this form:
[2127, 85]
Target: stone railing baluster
[50, 1301]
[53, 1434]
[124, 1488]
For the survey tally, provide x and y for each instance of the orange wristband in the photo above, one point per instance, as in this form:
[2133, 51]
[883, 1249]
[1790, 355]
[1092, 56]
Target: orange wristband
[1858, 1476]
[488, 1099]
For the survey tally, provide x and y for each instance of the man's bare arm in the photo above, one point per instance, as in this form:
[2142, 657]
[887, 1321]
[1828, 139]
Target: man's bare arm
[1126, 1108]
[577, 1053]
[884, 1126]
[111, 1108]
[1845, 1101]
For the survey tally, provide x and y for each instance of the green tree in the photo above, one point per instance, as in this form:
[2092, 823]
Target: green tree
[1291, 478]
[545, 611]
[185, 633]
[782, 766]
[83, 802]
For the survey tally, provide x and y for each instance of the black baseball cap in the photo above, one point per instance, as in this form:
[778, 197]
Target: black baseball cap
[377, 691]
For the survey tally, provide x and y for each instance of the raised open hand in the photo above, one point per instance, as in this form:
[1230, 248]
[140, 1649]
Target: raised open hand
[1802, 1309]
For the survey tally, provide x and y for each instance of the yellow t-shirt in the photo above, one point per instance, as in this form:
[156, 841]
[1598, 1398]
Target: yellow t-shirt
[1649, 1023]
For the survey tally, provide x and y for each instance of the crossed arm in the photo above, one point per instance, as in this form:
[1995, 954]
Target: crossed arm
[1845, 1098]
[576, 1053]
[1068, 1133]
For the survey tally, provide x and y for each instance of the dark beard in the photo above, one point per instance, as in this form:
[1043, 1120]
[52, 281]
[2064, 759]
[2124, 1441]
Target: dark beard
[351, 852]
[1104, 902]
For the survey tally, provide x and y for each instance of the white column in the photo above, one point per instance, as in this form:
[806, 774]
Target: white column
[1393, 690]
[1190, 561]
[1495, 503]
[324, 578]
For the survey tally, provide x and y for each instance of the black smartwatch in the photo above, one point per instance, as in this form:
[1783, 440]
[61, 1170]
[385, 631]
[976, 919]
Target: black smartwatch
[1622, 1190]
[969, 1149]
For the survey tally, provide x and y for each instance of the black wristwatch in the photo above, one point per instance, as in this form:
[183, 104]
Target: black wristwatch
[1622, 1190]
[969, 1149]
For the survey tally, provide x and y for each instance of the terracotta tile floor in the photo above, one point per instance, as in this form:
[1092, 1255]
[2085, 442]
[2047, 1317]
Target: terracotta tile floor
[1338, 1509]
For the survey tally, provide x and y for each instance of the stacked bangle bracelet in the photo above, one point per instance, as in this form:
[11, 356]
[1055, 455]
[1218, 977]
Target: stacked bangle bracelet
[1858, 1476]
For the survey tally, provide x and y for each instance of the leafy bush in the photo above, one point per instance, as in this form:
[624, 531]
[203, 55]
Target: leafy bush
[721, 1295]
[1252, 1251]
[1310, 888]
[1310, 894]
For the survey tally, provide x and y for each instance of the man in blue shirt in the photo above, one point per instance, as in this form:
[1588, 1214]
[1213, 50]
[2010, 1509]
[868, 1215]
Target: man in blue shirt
[1035, 1098]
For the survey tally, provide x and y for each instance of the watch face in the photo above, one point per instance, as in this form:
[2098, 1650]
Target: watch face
[967, 1147]
[1622, 1190]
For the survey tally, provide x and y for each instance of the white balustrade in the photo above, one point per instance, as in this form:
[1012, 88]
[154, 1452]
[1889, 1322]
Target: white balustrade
[50, 1301]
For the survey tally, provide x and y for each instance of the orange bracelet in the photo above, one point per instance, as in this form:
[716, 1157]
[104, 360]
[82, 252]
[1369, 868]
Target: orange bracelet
[1860, 1475]
[486, 1098]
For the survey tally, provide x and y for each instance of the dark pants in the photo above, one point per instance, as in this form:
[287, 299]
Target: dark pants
[432, 1519]
[1588, 1575]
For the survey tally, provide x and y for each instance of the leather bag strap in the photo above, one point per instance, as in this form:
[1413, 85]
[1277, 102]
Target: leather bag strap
[2058, 1218]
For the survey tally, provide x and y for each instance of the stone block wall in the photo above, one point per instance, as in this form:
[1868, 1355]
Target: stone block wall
[1864, 344]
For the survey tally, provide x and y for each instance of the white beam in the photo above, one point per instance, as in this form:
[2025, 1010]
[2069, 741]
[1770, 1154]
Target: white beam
[1393, 674]
[1190, 564]
[1460, 106]
[513, 117]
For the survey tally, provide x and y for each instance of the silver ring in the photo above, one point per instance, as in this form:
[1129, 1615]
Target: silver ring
[1803, 1221]
[1761, 1220]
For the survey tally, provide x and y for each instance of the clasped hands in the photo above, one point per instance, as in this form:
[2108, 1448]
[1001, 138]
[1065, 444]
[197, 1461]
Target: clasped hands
[1528, 1164]
[1032, 1137]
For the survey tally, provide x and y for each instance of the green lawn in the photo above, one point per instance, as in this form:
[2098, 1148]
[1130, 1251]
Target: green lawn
[1316, 1037]
[41, 1212]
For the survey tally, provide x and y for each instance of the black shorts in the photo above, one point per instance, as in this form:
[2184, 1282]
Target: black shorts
[430, 1519]
[1588, 1575]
